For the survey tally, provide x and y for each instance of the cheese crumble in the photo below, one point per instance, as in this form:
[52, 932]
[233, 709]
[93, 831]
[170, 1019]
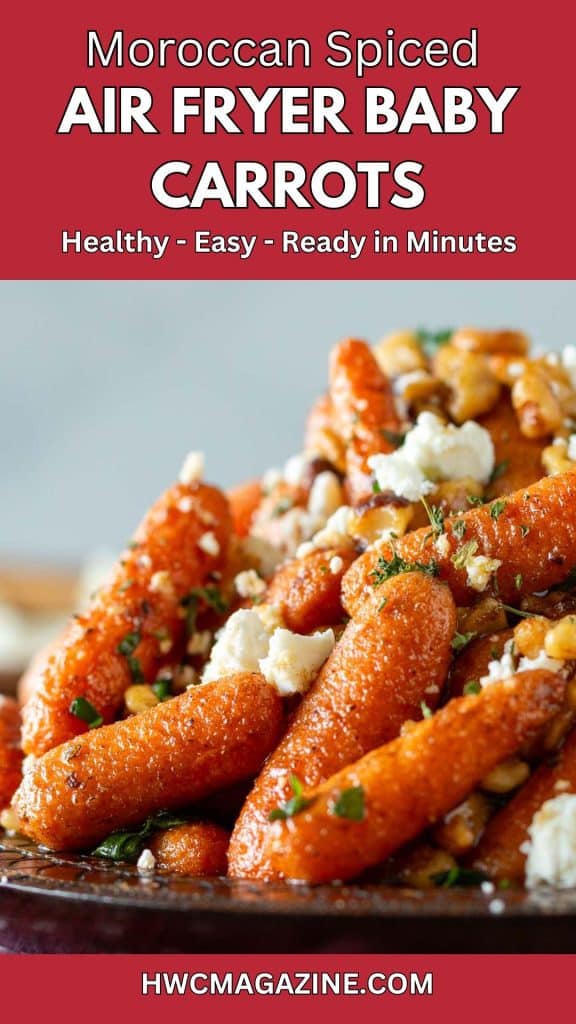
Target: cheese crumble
[551, 847]
[249, 584]
[434, 451]
[208, 542]
[507, 665]
[192, 468]
[146, 862]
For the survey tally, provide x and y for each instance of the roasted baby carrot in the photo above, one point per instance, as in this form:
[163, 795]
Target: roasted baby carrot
[532, 533]
[10, 750]
[195, 849]
[368, 810]
[365, 410]
[307, 590]
[122, 637]
[244, 500]
[172, 755]
[378, 675]
[499, 852]
[518, 458]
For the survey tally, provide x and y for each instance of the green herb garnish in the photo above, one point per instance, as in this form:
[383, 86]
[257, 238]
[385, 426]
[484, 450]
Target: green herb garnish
[295, 805]
[163, 688]
[462, 556]
[86, 712]
[461, 640]
[471, 688]
[386, 568]
[497, 508]
[430, 341]
[524, 530]
[426, 711]
[376, 489]
[518, 612]
[499, 470]
[474, 499]
[518, 580]
[458, 878]
[350, 804]
[128, 645]
[209, 596]
[395, 439]
[135, 667]
[459, 528]
[436, 517]
[127, 844]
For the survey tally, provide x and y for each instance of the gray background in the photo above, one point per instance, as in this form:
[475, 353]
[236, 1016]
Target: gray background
[105, 386]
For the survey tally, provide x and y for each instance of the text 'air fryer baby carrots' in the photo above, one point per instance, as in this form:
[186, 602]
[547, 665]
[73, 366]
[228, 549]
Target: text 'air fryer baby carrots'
[377, 677]
[364, 408]
[362, 814]
[532, 533]
[122, 637]
[170, 756]
[500, 852]
[198, 848]
[10, 750]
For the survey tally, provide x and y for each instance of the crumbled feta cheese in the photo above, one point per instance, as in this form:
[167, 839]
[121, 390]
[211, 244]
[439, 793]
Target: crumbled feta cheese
[551, 847]
[259, 554]
[144, 561]
[270, 616]
[506, 666]
[240, 645]
[479, 569]
[572, 447]
[249, 584]
[336, 532]
[568, 360]
[146, 862]
[185, 504]
[336, 565]
[434, 451]
[209, 543]
[562, 786]
[325, 497]
[161, 583]
[192, 468]
[497, 906]
[270, 480]
[293, 661]
[487, 888]
[305, 549]
[442, 545]
[200, 643]
[515, 369]
[295, 469]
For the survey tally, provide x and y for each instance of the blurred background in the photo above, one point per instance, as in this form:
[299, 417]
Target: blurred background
[105, 386]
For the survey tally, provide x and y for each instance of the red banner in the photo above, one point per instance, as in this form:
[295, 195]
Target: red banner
[480, 102]
[179, 988]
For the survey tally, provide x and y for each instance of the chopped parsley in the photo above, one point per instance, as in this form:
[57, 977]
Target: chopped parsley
[497, 508]
[474, 499]
[386, 568]
[524, 530]
[459, 528]
[393, 437]
[350, 804]
[128, 644]
[127, 843]
[518, 580]
[499, 470]
[86, 712]
[464, 554]
[382, 604]
[471, 687]
[426, 711]
[211, 597]
[436, 517]
[518, 612]
[295, 805]
[284, 505]
[163, 688]
[430, 341]
[461, 640]
[458, 877]
[376, 489]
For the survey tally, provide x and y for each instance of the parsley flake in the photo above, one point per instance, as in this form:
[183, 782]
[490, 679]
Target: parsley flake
[497, 508]
[464, 554]
[295, 805]
[86, 712]
[461, 640]
[350, 804]
[471, 687]
[127, 844]
[386, 568]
